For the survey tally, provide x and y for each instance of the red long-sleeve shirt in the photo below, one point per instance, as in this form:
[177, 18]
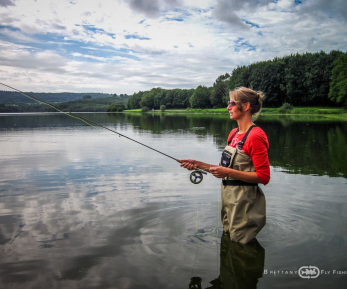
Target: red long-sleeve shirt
[255, 146]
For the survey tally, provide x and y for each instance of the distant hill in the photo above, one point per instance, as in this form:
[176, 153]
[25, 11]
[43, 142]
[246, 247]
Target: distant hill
[80, 105]
[15, 98]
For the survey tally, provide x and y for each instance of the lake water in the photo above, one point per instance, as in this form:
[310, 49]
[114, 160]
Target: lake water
[81, 207]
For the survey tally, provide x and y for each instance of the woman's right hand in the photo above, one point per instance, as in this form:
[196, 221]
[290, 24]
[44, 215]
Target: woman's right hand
[189, 164]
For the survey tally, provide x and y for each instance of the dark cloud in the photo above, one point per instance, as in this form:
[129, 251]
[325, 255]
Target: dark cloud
[148, 7]
[6, 20]
[5, 3]
[332, 8]
[236, 5]
[152, 8]
[173, 3]
[59, 27]
[225, 10]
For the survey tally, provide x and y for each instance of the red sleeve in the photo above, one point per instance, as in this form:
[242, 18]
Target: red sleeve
[256, 147]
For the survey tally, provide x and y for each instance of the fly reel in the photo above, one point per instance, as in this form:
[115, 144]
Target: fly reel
[196, 176]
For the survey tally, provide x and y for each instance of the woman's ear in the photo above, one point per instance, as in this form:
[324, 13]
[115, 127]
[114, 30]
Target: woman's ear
[246, 106]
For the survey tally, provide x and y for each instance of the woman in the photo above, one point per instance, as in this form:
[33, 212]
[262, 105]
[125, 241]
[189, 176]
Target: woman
[244, 164]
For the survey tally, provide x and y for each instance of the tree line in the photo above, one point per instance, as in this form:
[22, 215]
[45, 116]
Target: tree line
[15, 98]
[86, 104]
[7, 108]
[11, 101]
[154, 98]
[309, 79]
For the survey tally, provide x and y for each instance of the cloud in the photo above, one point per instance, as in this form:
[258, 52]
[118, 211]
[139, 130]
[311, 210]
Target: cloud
[225, 13]
[25, 57]
[6, 3]
[101, 59]
[152, 8]
[121, 46]
[15, 34]
[225, 10]
[148, 7]
[332, 8]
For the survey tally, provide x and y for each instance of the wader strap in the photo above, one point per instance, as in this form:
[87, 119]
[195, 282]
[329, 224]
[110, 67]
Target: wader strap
[233, 136]
[242, 142]
[237, 183]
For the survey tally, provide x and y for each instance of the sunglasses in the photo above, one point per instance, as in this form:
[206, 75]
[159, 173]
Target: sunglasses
[233, 103]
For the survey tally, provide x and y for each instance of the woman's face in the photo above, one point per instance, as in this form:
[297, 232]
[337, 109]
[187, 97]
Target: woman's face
[233, 109]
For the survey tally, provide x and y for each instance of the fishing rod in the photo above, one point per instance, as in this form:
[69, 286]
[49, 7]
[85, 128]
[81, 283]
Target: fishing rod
[196, 176]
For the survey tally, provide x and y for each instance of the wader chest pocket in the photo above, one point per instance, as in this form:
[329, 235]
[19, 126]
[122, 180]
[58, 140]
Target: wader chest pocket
[226, 159]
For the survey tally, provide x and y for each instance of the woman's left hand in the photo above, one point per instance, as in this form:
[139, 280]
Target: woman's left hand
[220, 172]
[188, 164]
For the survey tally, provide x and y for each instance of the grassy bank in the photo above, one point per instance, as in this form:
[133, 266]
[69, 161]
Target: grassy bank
[331, 112]
[326, 112]
[190, 110]
[305, 110]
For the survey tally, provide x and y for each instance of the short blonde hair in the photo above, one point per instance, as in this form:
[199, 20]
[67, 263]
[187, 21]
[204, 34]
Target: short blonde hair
[244, 94]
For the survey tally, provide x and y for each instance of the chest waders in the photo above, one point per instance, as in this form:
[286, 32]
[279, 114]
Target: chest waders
[243, 204]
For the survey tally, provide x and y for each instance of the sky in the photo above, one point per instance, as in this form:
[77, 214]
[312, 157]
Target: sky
[124, 46]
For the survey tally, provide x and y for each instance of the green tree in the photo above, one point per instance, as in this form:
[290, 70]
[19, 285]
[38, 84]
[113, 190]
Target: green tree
[8, 108]
[134, 100]
[338, 84]
[219, 95]
[299, 79]
[181, 98]
[200, 98]
[115, 107]
[159, 98]
[169, 98]
[238, 77]
[148, 98]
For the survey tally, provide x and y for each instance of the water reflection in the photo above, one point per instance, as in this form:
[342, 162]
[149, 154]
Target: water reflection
[241, 265]
[307, 147]
[299, 146]
[81, 208]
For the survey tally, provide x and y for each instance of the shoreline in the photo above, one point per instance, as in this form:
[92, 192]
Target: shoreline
[333, 113]
[326, 113]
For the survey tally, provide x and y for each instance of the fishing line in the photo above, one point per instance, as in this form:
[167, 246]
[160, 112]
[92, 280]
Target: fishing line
[196, 233]
[196, 176]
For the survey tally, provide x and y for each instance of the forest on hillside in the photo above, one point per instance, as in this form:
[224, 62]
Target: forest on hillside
[15, 98]
[86, 104]
[310, 79]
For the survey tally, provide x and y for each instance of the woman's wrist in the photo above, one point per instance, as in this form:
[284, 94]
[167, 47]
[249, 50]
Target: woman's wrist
[230, 173]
